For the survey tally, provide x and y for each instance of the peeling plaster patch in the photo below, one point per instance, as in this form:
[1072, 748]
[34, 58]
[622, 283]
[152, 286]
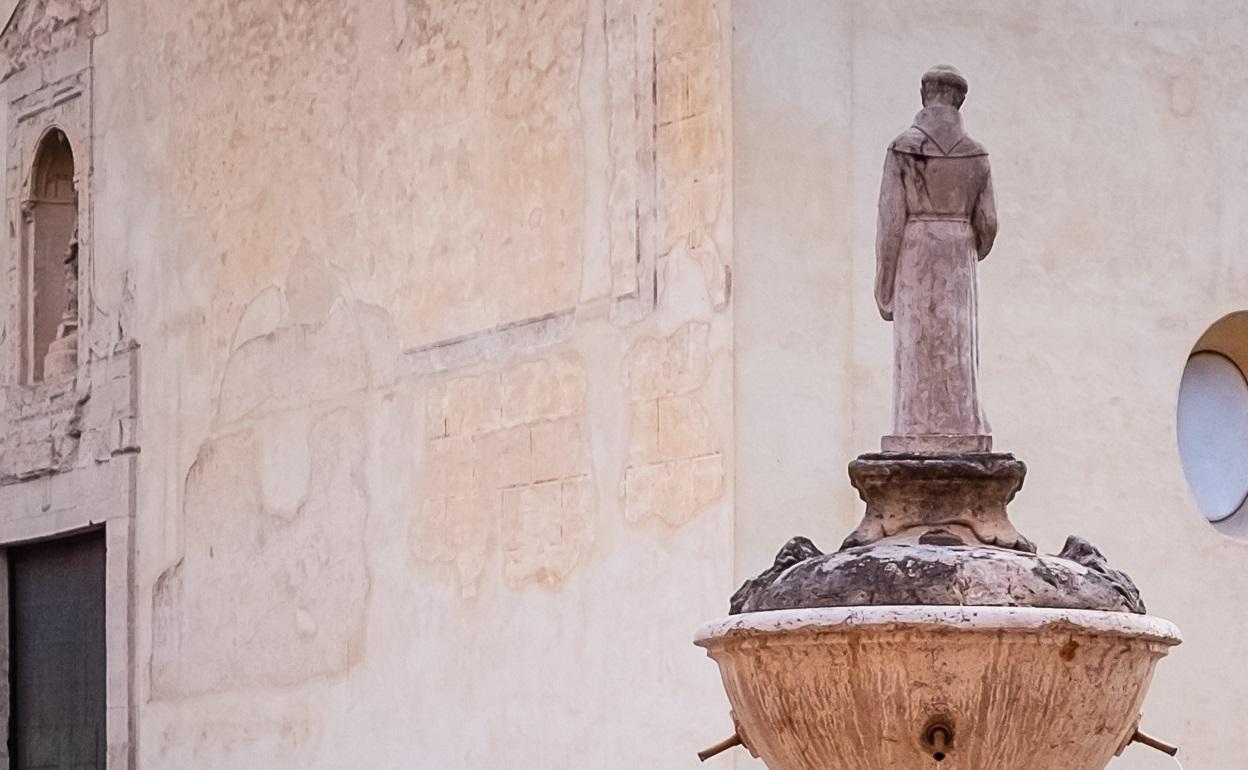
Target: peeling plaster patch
[675, 463]
[272, 584]
[630, 82]
[262, 316]
[508, 467]
[690, 154]
[269, 737]
[667, 146]
[493, 345]
[294, 366]
[442, 211]
[264, 595]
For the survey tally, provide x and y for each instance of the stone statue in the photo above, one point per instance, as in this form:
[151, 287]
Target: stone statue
[936, 530]
[937, 219]
[69, 320]
[62, 356]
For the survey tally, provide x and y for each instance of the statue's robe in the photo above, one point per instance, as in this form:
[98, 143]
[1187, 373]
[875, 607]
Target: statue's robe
[937, 219]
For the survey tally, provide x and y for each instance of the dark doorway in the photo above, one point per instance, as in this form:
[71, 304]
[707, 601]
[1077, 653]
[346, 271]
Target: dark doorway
[57, 654]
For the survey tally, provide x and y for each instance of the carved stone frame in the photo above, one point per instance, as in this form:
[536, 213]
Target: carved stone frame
[56, 97]
[47, 492]
[93, 497]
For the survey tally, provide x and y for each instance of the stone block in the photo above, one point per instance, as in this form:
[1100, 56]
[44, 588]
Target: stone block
[506, 458]
[473, 404]
[452, 471]
[706, 479]
[542, 390]
[469, 522]
[684, 25]
[687, 84]
[645, 370]
[531, 529]
[578, 499]
[685, 428]
[687, 149]
[529, 392]
[660, 490]
[643, 432]
[559, 449]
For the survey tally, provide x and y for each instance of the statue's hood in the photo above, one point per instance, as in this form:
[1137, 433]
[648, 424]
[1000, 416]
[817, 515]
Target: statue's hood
[938, 133]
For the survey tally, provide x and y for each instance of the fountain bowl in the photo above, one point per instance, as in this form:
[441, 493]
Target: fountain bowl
[867, 688]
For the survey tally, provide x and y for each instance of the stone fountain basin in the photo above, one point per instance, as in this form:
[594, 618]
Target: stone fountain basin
[857, 688]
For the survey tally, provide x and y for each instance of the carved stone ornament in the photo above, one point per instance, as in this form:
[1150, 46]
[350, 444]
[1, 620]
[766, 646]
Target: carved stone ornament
[936, 530]
[39, 28]
[62, 356]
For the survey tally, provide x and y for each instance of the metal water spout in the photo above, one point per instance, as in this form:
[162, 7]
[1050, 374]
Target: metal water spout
[937, 633]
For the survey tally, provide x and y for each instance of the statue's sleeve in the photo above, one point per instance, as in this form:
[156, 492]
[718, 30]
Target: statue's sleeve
[890, 228]
[984, 219]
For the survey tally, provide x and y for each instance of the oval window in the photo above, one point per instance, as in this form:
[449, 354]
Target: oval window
[1213, 434]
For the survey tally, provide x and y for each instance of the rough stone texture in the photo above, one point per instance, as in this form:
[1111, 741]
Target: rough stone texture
[963, 497]
[1017, 688]
[937, 221]
[937, 573]
[40, 28]
[797, 550]
[275, 503]
[690, 152]
[675, 461]
[508, 466]
[280, 520]
[54, 97]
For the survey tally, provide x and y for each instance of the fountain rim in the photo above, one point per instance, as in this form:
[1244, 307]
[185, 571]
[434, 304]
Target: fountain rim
[964, 618]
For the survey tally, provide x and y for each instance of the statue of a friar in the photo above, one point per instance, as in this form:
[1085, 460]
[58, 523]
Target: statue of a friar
[937, 219]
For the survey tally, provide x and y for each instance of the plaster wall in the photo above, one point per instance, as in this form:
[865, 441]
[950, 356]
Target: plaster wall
[487, 344]
[1117, 142]
[437, 388]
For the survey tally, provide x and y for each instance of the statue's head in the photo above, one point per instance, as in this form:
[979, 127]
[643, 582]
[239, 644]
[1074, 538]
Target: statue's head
[943, 84]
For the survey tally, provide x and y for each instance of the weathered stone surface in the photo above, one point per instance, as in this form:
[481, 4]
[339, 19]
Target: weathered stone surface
[939, 574]
[797, 550]
[275, 520]
[861, 687]
[937, 220]
[959, 497]
[508, 469]
[40, 28]
[675, 461]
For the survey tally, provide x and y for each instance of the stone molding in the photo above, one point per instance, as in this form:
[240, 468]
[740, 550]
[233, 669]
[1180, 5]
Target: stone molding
[40, 29]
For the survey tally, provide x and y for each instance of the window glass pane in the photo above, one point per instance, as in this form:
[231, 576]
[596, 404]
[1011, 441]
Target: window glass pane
[1213, 434]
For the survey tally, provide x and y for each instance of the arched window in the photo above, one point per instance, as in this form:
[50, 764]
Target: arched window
[50, 255]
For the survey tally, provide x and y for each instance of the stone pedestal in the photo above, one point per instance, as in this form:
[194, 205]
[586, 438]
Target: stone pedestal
[938, 499]
[936, 532]
[62, 357]
[937, 443]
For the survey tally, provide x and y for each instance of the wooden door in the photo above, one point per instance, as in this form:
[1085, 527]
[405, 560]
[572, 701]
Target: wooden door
[57, 654]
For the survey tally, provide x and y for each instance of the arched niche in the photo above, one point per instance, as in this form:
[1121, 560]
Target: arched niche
[50, 217]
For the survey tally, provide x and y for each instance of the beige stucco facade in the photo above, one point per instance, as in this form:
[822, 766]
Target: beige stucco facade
[463, 357]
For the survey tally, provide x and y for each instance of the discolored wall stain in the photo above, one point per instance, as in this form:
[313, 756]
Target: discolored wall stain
[675, 458]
